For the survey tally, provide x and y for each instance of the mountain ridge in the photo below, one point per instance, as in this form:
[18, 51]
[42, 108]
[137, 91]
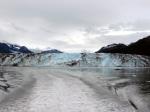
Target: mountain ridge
[13, 48]
[6, 47]
[140, 47]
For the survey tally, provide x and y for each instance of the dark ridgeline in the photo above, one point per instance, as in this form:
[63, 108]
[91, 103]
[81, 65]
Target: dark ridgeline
[11, 48]
[113, 48]
[52, 51]
[141, 47]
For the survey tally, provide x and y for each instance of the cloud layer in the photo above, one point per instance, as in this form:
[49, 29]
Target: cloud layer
[73, 25]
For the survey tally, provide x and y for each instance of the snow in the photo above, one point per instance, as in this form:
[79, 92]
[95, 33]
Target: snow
[110, 46]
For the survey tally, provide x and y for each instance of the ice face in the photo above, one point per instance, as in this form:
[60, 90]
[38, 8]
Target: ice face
[65, 59]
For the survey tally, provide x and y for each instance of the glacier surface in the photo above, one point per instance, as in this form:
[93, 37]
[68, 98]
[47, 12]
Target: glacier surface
[75, 59]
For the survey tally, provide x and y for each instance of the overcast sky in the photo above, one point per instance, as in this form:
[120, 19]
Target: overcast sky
[73, 25]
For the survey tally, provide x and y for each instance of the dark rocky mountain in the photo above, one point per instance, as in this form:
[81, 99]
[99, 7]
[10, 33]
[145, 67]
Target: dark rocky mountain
[113, 48]
[23, 49]
[4, 48]
[11, 48]
[52, 51]
[141, 47]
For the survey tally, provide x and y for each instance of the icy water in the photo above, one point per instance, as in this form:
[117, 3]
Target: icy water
[129, 84]
[81, 90]
[123, 77]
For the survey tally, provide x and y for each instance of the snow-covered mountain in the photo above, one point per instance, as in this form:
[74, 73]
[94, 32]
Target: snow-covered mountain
[6, 47]
[75, 59]
[141, 47]
[12, 48]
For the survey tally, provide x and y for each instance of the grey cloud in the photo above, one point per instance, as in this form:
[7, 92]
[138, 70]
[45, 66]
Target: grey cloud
[54, 23]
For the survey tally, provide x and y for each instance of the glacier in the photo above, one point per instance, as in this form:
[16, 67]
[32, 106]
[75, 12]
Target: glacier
[75, 59]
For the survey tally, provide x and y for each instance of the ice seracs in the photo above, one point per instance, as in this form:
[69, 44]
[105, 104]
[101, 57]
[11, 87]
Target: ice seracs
[65, 59]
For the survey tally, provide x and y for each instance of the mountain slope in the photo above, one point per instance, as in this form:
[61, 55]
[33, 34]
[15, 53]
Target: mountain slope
[12, 48]
[113, 48]
[4, 48]
[141, 47]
